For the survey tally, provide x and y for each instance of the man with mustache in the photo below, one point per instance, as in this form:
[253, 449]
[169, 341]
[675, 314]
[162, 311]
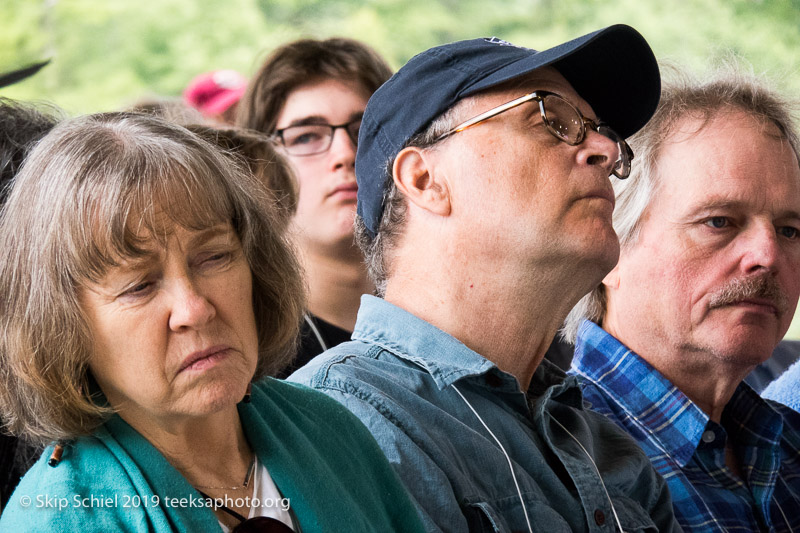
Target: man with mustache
[705, 288]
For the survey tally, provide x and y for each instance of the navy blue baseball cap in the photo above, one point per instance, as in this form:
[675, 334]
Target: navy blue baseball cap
[613, 69]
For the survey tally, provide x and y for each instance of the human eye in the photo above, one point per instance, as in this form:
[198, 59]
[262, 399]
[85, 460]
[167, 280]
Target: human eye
[214, 259]
[217, 257]
[789, 232]
[353, 128]
[562, 119]
[718, 222]
[139, 289]
[303, 136]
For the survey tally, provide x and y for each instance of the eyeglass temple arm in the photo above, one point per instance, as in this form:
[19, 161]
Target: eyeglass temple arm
[489, 114]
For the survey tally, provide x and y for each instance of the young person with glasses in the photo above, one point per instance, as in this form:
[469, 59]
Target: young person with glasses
[309, 95]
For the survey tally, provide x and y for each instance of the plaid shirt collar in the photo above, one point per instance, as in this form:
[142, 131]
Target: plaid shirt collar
[669, 417]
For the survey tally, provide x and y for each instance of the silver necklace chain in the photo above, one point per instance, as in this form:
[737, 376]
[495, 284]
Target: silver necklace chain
[248, 477]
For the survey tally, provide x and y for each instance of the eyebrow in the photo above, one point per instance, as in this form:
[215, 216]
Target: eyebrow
[733, 205]
[319, 120]
[203, 236]
[199, 238]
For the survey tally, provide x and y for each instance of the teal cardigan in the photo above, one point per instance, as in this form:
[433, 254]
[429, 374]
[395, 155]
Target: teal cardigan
[320, 456]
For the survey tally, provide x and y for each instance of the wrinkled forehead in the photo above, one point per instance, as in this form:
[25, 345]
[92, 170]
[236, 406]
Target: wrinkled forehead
[125, 224]
[729, 158]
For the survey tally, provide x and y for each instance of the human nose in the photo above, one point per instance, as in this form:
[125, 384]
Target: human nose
[190, 308]
[598, 150]
[760, 249]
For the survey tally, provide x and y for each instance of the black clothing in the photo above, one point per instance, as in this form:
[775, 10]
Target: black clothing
[309, 344]
[16, 457]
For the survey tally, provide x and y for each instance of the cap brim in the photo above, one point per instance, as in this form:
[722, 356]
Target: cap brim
[613, 69]
[15, 76]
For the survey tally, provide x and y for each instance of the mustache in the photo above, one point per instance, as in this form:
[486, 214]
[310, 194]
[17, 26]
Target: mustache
[762, 287]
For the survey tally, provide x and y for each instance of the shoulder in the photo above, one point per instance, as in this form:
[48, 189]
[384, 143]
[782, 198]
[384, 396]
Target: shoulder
[363, 371]
[791, 422]
[299, 403]
[84, 492]
[339, 360]
[296, 427]
[396, 399]
[785, 389]
[595, 398]
[299, 412]
[315, 336]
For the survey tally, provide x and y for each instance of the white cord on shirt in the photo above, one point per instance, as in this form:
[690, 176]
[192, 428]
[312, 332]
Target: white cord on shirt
[315, 331]
[608, 496]
[510, 465]
[514, 476]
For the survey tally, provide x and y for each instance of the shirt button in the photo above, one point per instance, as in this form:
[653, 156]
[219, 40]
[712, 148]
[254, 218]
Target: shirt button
[709, 436]
[599, 517]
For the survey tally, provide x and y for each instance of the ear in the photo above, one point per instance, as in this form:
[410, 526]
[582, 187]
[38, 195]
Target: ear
[611, 281]
[414, 174]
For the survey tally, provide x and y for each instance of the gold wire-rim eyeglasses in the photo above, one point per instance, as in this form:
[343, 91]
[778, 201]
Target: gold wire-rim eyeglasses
[622, 166]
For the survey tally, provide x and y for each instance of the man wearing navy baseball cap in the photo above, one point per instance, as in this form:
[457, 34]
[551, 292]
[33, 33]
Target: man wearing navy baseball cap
[484, 210]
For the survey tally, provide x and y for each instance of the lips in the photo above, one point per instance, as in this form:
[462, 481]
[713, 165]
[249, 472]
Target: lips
[605, 194]
[345, 189]
[197, 359]
[757, 304]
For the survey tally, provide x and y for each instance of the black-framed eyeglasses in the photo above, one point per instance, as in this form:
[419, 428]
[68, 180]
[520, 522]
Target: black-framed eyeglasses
[312, 139]
[564, 121]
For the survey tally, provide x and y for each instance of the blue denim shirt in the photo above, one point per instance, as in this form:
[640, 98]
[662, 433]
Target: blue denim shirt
[399, 375]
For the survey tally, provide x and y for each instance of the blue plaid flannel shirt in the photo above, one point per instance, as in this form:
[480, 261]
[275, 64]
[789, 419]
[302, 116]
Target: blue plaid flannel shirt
[688, 449]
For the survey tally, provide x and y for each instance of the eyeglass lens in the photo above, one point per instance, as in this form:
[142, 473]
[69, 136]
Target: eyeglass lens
[312, 139]
[562, 119]
[622, 167]
[565, 122]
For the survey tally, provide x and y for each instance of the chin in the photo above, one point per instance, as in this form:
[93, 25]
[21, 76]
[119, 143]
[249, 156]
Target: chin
[744, 346]
[604, 253]
[217, 396]
[345, 220]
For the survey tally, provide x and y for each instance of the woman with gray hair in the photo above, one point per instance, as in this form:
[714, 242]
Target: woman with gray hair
[145, 290]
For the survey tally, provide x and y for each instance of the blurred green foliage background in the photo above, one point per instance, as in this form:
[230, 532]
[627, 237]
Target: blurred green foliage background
[107, 54]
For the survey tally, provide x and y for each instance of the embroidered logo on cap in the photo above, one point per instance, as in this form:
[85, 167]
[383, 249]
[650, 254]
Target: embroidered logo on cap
[501, 42]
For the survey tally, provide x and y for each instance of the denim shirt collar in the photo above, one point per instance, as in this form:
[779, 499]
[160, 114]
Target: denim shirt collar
[446, 358]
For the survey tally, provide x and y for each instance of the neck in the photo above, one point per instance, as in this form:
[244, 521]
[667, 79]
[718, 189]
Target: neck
[708, 384]
[707, 380]
[336, 281]
[507, 313]
[209, 451]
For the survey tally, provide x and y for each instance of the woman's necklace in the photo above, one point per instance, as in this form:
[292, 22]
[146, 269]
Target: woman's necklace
[247, 478]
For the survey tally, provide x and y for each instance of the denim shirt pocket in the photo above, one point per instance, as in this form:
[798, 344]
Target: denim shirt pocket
[633, 518]
[483, 518]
